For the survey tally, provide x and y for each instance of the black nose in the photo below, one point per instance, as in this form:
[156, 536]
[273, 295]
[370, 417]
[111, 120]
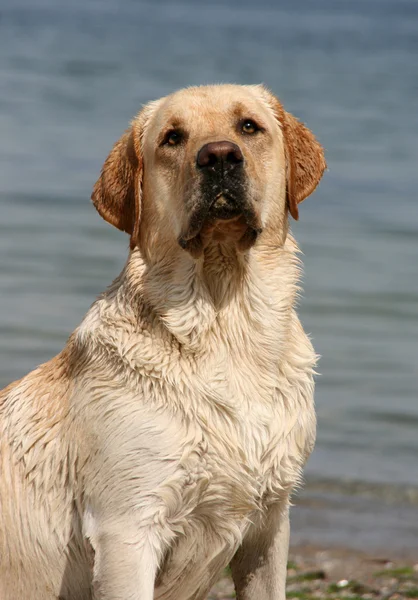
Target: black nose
[219, 153]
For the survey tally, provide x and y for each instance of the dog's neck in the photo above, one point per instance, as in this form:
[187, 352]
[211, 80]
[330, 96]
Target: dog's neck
[190, 296]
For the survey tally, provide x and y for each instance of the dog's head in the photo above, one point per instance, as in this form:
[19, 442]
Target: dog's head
[216, 163]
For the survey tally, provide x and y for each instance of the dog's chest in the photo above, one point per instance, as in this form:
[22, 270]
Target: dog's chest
[229, 419]
[199, 442]
[233, 424]
[236, 464]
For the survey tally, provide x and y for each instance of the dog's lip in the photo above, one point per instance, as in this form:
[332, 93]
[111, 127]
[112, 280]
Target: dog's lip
[195, 224]
[223, 210]
[205, 214]
[203, 217]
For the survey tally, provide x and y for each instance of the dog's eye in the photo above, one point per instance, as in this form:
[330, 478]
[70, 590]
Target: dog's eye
[172, 138]
[248, 126]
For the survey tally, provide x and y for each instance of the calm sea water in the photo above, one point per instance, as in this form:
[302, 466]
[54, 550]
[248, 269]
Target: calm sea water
[72, 74]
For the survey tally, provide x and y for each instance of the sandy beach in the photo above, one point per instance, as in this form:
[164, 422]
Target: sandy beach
[341, 574]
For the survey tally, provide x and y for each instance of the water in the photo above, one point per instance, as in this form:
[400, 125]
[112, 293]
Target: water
[72, 75]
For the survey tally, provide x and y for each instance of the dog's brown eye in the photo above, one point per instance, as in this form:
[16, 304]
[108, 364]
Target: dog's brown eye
[173, 138]
[249, 127]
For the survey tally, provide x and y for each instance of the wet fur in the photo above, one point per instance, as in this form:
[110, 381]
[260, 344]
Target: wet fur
[164, 441]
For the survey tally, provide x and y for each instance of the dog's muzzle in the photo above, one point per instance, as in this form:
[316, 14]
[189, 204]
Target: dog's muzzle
[221, 165]
[223, 193]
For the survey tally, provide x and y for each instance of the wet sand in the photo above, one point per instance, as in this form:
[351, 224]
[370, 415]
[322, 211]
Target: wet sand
[342, 574]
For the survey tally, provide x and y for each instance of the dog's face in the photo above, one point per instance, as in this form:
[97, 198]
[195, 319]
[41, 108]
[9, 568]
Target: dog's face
[216, 163]
[209, 158]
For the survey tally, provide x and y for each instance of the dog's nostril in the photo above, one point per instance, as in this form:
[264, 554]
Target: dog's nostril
[216, 153]
[211, 161]
[234, 157]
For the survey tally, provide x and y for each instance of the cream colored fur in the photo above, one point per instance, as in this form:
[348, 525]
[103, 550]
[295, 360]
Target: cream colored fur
[164, 441]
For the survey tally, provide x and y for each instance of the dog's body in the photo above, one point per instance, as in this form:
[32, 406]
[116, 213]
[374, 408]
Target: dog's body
[164, 441]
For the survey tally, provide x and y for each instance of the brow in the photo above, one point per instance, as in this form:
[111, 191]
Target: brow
[239, 110]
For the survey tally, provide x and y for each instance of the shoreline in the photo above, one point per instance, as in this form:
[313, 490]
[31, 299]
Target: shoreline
[374, 519]
[349, 541]
[341, 574]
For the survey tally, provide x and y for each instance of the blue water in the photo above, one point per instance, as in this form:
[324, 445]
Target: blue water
[72, 75]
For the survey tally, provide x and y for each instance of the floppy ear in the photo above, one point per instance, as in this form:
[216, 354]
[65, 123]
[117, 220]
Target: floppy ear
[117, 193]
[305, 161]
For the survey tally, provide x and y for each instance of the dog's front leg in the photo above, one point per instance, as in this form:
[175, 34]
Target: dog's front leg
[260, 563]
[125, 564]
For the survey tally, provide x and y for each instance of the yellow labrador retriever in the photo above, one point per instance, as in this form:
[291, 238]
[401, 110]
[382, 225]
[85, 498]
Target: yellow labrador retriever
[164, 441]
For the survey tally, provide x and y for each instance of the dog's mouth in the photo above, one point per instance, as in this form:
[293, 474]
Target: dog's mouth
[225, 218]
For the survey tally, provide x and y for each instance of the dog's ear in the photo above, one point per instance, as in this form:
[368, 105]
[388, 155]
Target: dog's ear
[305, 161]
[117, 193]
